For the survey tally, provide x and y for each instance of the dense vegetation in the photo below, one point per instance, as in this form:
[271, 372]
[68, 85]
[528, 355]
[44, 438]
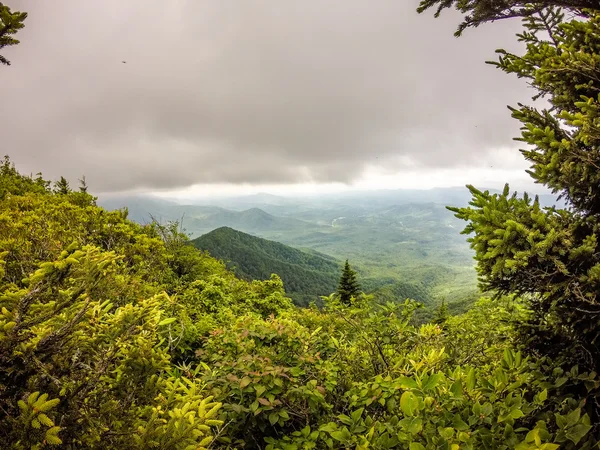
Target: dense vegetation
[306, 276]
[117, 335]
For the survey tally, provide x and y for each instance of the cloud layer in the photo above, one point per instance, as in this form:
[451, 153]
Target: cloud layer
[161, 95]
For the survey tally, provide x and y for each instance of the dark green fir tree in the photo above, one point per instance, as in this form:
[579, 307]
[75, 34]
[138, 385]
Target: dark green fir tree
[62, 186]
[10, 24]
[441, 314]
[548, 256]
[348, 287]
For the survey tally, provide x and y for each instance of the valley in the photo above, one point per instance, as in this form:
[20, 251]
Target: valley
[402, 243]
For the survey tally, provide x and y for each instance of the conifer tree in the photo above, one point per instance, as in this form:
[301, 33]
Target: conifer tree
[10, 23]
[62, 186]
[441, 314]
[83, 186]
[348, 287]
[477, 12]
[550, 256]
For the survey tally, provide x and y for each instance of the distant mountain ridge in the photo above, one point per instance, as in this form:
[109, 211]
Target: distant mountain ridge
[306, 275]
[201, 219]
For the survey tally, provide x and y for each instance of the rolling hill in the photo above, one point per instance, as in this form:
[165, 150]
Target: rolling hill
[198, 220]
[306, 274]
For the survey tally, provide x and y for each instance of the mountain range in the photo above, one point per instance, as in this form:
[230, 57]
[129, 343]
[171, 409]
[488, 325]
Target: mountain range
[306, 275]
[403, 243]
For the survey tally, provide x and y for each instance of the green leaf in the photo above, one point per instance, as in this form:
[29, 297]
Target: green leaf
[457, 389]
[357, 414]
[516, 414]
[346, 420]
[459, 424]
[341, 435]
[577, 432]
[168, 321]
[259, 389]
[560, 381]
[416, 446]
[45, 420]
[412, 425]
[408, 403]
[329, 427]
[508, 357]
[405, 383]
[446, 433]
[246, 381]
[432, 382]
[542, 396]
[471, 380]
[573, 417]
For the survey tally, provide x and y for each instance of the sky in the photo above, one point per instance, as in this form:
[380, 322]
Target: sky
[191, 97]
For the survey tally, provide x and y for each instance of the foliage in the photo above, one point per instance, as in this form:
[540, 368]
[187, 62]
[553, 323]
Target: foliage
[117, 335]
[549, 256]
[348, 287]
[478, 12]
[441, 314]
[10, 23]
[12, 182]
[89, 306]
[363, 377]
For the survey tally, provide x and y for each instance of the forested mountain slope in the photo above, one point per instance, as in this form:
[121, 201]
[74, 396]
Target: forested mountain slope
[306, 275]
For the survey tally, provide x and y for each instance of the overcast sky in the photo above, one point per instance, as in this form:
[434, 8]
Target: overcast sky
[273, 95]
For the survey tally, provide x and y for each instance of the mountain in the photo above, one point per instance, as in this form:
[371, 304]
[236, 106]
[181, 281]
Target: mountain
[306, 274]
[145, 208]
[198, 220]
[406, 237]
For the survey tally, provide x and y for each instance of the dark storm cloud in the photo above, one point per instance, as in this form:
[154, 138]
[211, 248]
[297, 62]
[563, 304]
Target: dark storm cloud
[249, 91]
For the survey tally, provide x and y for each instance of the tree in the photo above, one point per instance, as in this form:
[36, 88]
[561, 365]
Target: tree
[62, 186]
[478, 12]
[348, 286]
[441, 314]
[83, 186]
[549, 256]
[10, 23]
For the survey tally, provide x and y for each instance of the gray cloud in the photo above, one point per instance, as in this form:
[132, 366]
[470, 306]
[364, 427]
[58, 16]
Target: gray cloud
[249, 91]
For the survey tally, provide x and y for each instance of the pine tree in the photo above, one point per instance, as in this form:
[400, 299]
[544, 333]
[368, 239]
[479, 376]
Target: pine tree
[10, 23]
[441, 314]
[550, 256]
[348, 287]
[477, 12]
[62, 186]
[83, 186]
